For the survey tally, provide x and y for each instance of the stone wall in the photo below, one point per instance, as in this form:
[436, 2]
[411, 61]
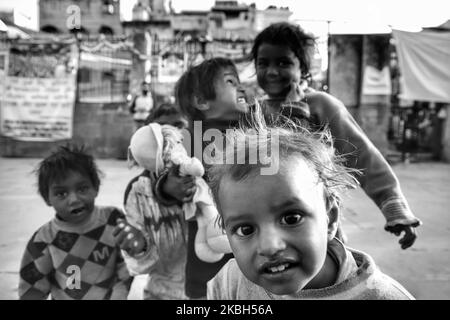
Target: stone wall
[345, 68]
[375, 109]
[349, 55]
[105, 129]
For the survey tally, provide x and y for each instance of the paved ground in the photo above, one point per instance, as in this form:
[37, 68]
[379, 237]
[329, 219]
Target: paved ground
[424, 269]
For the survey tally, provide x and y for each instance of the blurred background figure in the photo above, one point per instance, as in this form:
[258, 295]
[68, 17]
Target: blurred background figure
[141, 105]
[167, 113]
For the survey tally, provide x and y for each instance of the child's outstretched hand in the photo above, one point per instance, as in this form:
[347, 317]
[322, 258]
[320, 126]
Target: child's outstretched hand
[128, 238]
[409, 237]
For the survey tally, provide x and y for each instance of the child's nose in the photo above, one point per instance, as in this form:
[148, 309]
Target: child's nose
[272, 70]
[270, 242]
[241, 88]
[73, 197]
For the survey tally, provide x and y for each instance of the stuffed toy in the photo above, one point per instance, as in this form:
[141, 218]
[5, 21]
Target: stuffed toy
[157, 147]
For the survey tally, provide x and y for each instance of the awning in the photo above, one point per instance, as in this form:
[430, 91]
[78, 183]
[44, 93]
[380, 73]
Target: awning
[101, 62]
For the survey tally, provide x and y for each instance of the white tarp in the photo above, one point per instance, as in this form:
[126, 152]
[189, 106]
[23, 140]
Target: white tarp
[37, 109]
[376, 82]
[424, 59]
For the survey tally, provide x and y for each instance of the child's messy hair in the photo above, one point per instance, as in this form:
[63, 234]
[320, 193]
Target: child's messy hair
[198, 81]
[57, 165]
[293, 140]
[291, 35]
[165, 109]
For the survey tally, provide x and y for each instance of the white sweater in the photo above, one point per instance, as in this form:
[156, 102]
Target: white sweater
[362, 282]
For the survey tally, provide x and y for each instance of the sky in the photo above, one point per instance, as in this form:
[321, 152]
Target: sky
[408, 15]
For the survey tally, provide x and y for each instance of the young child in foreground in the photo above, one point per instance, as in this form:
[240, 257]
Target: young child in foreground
[73, 256]
[282, 226]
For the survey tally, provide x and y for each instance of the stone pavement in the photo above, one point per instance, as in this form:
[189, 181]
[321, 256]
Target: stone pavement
[423, 269]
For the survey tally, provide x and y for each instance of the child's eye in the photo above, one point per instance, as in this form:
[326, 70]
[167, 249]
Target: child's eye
[291, 218]
[284, 63]
[243, 230]
[231, 81]
[83, 189]
[60, 194]
[261, 63]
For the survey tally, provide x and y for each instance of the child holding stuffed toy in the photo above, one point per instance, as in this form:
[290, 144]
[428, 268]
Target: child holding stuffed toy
[154, 235]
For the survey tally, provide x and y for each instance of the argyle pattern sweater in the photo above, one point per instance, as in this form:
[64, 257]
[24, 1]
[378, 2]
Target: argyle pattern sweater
[75, 262]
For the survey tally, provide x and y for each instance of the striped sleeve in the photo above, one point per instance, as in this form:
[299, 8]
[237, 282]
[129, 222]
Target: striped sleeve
[397, 211]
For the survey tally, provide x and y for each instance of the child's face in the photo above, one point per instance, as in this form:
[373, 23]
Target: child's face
[145, 87]
[72, 197]
[230, 98]
[276, 68]
[277, 227]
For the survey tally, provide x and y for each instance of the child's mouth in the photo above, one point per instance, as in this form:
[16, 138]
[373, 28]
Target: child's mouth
[278, 268]
[77, 211]
[242, 100]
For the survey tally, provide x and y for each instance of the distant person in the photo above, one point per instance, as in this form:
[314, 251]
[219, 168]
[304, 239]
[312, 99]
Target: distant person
[282, 53]
[73, 256]
[141, 105]
[282, 226]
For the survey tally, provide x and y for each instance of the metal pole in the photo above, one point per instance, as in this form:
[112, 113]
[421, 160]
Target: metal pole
[328, 54]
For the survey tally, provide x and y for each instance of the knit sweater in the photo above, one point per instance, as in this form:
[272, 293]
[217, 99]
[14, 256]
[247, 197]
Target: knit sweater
[358, 279]
[71, 262]
[164, 228]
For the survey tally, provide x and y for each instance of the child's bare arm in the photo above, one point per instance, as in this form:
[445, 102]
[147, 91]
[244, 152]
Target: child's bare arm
[378, 179]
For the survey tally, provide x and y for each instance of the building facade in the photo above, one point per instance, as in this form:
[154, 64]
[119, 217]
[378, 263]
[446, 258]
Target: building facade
[90, 17]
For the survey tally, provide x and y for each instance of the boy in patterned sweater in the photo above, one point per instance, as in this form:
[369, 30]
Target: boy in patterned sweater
[73, 256]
